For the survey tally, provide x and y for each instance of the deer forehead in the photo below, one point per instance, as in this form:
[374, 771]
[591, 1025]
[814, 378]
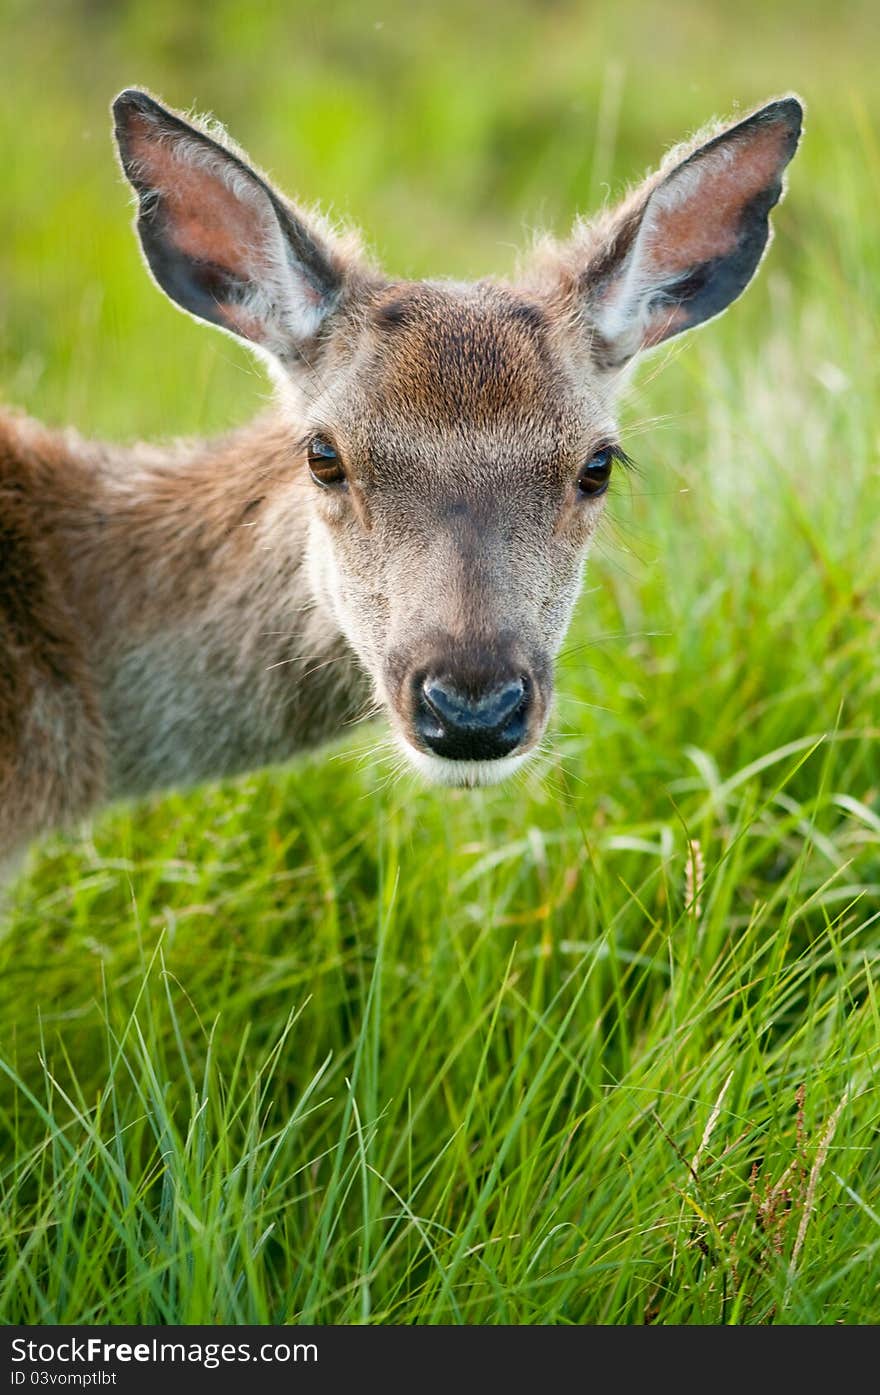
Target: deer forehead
[463, 385]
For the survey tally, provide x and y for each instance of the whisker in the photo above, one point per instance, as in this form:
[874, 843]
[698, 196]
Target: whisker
[595, 640]
[336, 659]
[373, 709]
[305, 659]
[593, 706]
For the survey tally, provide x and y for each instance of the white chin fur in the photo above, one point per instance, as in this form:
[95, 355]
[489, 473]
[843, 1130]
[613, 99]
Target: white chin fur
[462, 773]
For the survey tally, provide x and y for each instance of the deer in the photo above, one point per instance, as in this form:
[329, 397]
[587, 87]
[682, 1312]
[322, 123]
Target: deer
[403, 532]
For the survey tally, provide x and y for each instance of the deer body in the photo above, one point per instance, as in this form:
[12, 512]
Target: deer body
[175, 644]
[407, 528]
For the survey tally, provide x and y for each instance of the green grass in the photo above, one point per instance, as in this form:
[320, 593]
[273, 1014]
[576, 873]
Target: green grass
[596, 1047]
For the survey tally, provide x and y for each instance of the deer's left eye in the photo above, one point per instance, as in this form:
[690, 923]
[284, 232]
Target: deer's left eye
[325, 465]
[595, 474]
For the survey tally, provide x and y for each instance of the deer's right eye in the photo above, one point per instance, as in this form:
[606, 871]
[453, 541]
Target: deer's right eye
[325, 465]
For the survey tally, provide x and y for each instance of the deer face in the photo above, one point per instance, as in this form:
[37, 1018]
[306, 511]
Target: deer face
[459, 470]
[459, 439]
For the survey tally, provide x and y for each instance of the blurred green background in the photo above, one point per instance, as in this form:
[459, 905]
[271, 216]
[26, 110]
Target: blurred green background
[600, 1046]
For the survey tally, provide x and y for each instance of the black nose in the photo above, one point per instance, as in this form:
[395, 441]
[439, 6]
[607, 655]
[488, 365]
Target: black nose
[472, 726]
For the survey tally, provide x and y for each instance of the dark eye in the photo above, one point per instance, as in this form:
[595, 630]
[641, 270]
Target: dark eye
[324, 463]
[594, 476]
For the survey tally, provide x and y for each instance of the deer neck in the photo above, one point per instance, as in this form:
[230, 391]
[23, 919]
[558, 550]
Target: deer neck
[186, 567]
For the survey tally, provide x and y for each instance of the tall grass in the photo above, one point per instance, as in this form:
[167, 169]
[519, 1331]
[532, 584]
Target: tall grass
[323, 1045]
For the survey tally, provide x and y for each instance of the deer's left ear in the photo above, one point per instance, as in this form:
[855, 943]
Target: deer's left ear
[688, 242]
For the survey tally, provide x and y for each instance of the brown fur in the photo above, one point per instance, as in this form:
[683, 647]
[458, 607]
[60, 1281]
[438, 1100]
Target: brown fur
[51, 733]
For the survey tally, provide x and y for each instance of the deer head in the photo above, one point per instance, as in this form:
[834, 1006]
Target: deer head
[460, 438]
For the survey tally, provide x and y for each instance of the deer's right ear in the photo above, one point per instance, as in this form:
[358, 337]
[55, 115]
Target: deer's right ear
[218, 239]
